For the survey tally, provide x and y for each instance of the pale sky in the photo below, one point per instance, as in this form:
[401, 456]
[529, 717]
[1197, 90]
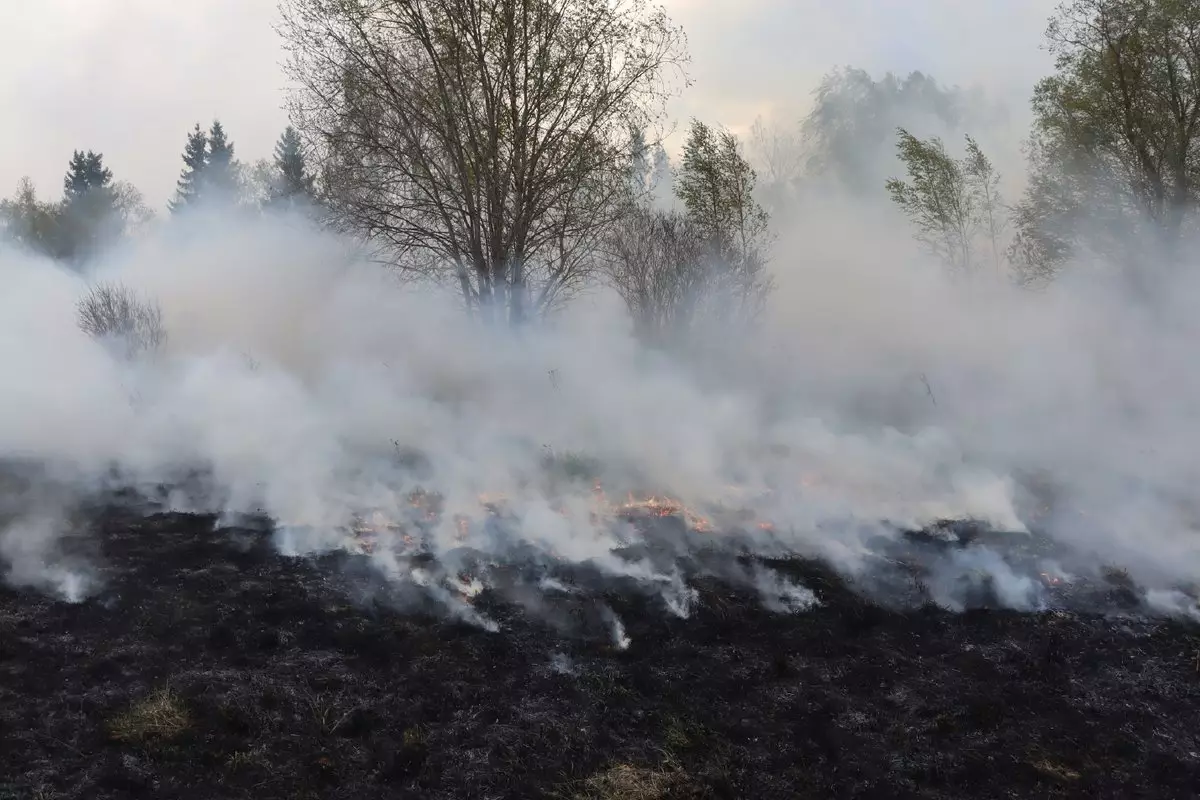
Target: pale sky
[129, 78]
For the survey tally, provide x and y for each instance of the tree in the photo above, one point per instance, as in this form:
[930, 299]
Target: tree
[848, 132]
[210, 171]
[189, 187]
[949, 201]
[780, 154]
[131, 205]
[716, 184]
[662, 177]
[293, 183]
[258, 183]
[485, 141]
[85, 174]
[31, 223]
[1115, 150]
[659, 263]
[639, 164]
[91, 215]
[984, 185]
[115, 315]
[219, 180]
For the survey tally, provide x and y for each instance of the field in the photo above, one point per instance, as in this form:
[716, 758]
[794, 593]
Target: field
[211, 666]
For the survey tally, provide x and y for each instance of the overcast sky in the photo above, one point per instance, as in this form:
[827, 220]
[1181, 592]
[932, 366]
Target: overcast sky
[130, 77]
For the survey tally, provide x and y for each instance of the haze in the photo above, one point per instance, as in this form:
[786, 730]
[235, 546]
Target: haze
[130, 77]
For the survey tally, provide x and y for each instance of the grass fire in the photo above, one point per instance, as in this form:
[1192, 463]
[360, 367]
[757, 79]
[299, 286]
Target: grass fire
[593, 400]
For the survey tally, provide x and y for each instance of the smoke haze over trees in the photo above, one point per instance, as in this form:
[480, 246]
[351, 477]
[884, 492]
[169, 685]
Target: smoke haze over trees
[1109, 154]
[489, 146]
[482, 237]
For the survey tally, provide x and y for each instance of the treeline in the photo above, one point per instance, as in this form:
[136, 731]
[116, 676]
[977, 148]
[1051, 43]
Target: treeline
[518, 158]
[1113, 157]
[95, 211]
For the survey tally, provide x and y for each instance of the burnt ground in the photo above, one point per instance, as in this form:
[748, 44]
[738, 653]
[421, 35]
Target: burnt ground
[212, 667]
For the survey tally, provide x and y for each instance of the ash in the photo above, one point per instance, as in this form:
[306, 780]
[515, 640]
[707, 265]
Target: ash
[210, 665]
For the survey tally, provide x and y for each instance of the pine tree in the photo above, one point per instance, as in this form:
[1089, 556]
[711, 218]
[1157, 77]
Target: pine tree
[86, 172]
[293, 182]
[89, 216]
[188, 188]
[220, 177]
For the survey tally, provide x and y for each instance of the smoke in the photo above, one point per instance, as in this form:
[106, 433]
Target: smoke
[304, 384]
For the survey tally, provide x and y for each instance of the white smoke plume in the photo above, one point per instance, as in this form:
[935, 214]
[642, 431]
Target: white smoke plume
[298, 379]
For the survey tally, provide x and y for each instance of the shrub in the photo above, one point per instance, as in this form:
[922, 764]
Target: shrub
[114, 313]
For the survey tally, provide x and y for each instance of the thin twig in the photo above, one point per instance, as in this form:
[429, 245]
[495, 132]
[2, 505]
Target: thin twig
[928, 389]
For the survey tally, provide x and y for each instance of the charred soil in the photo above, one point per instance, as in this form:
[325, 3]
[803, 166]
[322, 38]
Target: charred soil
[211, 666]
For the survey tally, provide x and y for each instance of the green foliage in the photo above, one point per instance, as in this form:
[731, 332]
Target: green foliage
[94, 212]
[1115, 151]
[86, 173]
[705, 267]
[950, 202]
[716, 185]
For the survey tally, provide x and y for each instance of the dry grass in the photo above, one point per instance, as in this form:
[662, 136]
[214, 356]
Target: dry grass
[1059, 772]
[161, 715]
[629, 782]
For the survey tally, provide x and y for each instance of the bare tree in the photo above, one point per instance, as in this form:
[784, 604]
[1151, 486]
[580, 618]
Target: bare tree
[779, 152]
[485, 141]
[131, 205]
[114, 314]
[655, 261]
[673, 276]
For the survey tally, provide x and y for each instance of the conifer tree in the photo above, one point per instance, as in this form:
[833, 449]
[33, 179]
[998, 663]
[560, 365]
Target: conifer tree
[89, 216]
[220, 176]
[293, 181]
[86, 172]
[188, 188]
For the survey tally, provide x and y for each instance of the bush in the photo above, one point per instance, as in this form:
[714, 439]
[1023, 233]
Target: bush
[114, 313]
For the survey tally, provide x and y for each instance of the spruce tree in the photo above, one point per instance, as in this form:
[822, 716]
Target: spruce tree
[89, 214]
[188, 188]
[86, 172]
[220, 178]
[293, 183]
